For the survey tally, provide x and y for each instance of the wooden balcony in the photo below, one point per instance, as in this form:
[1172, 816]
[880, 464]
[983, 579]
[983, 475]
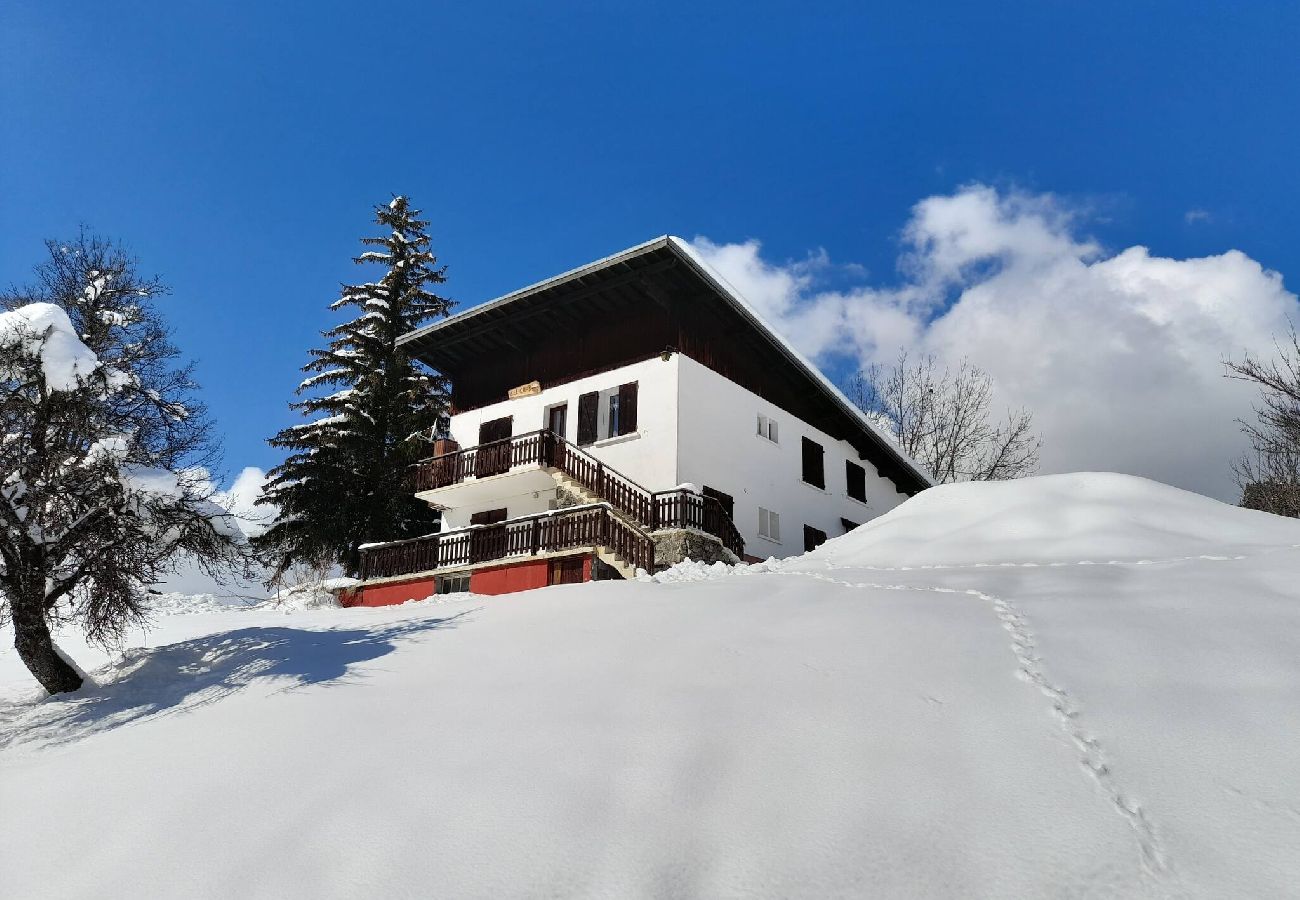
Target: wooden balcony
[677, 508]
[575, 528]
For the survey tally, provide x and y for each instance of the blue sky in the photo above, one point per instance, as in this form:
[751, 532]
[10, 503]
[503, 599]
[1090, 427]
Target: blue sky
[237, 148]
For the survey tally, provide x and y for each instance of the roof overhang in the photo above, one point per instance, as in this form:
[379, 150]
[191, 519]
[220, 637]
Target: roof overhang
[447, 344]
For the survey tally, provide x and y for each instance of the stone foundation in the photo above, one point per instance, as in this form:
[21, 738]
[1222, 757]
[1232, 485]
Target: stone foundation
[677, 544]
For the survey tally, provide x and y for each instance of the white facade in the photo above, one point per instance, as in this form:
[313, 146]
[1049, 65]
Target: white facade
[719, 446]
[693, 426]
[647, 456]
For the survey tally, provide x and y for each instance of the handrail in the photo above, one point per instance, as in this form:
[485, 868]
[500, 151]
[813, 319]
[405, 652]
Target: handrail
[676, 508]
[582, 526]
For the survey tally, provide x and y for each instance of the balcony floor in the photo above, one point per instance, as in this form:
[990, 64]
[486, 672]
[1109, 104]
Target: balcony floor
[476, 492]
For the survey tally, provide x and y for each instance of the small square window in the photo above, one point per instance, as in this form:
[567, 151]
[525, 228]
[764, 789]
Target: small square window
[767, 428]
[456, 583]
[769, 524]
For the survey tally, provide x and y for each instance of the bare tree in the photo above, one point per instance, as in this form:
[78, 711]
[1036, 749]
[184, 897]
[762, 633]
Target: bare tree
[1269, 474]
[943, 419]
[102, 444]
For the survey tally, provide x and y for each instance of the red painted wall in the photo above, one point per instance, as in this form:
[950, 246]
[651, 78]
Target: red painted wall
[508, 579]
[521, 576]
[389, 594]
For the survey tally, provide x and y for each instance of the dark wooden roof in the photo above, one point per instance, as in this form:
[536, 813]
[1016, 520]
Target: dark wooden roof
[632, 306]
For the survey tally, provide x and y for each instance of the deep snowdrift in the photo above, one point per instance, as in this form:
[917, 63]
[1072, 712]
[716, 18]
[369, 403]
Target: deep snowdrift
[1083, 516]
[813, 728]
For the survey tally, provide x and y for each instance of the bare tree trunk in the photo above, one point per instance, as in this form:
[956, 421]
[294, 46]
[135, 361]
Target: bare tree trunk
[35, 647]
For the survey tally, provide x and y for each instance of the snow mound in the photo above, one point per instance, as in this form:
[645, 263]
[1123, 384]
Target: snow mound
[174, 603]
[310, 595]
[1081, 517]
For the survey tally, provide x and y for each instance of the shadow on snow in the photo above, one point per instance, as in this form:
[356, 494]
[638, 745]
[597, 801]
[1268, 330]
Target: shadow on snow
[150, 682]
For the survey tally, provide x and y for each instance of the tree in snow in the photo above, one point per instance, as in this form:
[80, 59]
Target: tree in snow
[944, 419]
[342, 483]
[102, 454]
[1269, 474]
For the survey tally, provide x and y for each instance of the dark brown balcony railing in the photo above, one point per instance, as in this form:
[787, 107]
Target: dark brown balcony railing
[677, 508]
[582, 526]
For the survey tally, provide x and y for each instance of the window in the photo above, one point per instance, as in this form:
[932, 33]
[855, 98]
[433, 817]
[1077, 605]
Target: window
[849, 525]
[814, 469]
[611, 421]
[488, 517]
[608, 413]
[769, 524]
[855, 477]
[456, 583]
[812, 538]
[767, 428]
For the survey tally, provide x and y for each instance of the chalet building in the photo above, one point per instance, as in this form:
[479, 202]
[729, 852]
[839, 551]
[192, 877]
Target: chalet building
[627, 415]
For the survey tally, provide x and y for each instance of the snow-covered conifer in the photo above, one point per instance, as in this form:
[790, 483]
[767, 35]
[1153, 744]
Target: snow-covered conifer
[102, 454]
[371, 410]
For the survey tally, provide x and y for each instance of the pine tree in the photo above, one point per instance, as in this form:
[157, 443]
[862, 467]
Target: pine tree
[342, 484]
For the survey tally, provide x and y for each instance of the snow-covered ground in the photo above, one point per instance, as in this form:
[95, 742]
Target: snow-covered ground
[1070, 686]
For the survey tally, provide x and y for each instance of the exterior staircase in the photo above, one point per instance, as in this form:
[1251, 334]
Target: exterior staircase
[615, 517]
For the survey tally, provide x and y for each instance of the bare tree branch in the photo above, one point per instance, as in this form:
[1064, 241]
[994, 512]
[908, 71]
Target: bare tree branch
[943, 419]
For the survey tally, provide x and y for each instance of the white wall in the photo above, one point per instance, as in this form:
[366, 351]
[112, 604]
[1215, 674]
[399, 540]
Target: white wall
[719, 446]
[693, 425]
[648, 456]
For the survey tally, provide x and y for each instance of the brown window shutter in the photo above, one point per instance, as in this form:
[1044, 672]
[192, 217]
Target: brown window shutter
[813, 463]
[856, 479]
[487, 517]
[812, 538]
[588, 408]
[627, 408]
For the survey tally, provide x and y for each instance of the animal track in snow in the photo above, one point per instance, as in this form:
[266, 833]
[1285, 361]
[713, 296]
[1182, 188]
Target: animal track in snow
[1092, 758]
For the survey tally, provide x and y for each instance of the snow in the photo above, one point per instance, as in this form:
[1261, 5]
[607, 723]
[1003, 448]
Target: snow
[1078, 517]
[44, 331]
[947, 702]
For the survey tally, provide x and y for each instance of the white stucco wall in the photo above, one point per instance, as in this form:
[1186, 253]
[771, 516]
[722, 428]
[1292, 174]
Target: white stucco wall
[693, 425]
[648, 456]
[719, 446]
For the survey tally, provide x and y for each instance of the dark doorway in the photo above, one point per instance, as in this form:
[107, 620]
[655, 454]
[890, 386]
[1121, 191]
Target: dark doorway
[493, 455]
[557, 419]
[812, 538]
[566, 570]
[486, 544]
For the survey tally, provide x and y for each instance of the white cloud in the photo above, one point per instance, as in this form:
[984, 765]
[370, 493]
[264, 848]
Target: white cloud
[1118, 355]
[252, 517]
[1192, 216]
[242, 499]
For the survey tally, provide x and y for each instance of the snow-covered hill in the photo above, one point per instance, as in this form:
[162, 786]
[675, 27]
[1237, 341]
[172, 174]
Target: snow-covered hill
[1083, 685]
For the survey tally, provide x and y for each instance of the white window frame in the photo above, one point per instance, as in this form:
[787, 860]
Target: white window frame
[767, 429]
[769, 525]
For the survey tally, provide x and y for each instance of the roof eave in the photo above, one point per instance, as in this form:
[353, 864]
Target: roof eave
[661, 242]
[733, 297]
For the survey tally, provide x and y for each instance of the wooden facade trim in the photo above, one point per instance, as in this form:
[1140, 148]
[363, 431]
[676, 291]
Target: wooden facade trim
[628, 309]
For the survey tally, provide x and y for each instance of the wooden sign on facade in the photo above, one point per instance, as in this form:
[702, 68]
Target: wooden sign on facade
[525, 390]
